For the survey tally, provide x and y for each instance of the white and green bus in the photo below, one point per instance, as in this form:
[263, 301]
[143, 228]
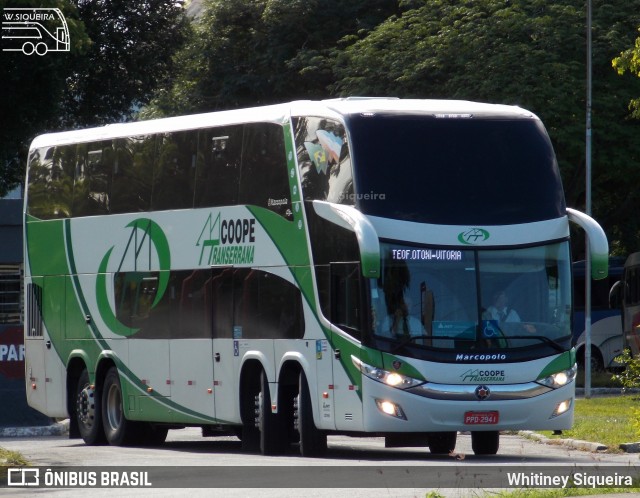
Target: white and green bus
[295, 271]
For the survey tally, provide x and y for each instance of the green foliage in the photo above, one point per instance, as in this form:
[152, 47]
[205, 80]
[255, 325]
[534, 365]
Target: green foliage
[630, 379]
[120, 52]
[132, 44]
[253, 52]
[629, 60]
[530, 53]
[630, 376]
[31, 90]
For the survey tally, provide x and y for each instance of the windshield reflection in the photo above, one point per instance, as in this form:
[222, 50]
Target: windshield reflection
[464, 300]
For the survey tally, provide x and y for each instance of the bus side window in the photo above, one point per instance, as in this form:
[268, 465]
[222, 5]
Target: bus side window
[346, 298]
[51, 173]
[263, 176]
[218, 166]
[132, 174]
[324, 160]
[175, 170]
[267, 306]
[94, 174]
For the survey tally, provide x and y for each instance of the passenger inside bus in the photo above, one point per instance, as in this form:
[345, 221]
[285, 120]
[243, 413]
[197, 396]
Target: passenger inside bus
[400, 323]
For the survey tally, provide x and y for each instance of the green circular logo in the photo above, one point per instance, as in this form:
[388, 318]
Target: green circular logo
[145, 235]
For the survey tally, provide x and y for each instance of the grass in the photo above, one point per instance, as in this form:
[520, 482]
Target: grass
[598, 379]
[557, 493]
[11, 458]
[606, 420]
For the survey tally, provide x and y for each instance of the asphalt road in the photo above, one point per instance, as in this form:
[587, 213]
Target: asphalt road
[353, 467]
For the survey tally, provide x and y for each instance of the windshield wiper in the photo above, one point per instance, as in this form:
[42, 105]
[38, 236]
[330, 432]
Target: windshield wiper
[414, 337]
[541, 338]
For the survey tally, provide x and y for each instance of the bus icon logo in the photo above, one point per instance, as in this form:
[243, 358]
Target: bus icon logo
[473, 236]
[23, 477]
[34, 30]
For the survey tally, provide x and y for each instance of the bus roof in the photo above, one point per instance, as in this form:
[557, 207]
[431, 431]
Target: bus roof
[278, 113]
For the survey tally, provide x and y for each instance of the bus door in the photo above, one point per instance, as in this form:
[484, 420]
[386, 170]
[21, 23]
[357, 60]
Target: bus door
[347, 317]
[225, 292]
[191, 348]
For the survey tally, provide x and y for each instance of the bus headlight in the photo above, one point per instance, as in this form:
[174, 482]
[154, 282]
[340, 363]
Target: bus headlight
[561, 408]
[393, 379]
[390, 408]
[559, 379]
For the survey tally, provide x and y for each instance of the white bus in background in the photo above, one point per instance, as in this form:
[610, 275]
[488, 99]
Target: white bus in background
[628, 296]
[606, 325]
[290, 272]
[34, 30]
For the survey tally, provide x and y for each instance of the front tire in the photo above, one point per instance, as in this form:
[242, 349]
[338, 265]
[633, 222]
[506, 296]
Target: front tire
[118, 430]
[442, 443]
[88, 411]
[485, 443]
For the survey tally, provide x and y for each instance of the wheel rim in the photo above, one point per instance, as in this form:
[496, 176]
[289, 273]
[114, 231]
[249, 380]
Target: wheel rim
[114, 407]
[86, 407]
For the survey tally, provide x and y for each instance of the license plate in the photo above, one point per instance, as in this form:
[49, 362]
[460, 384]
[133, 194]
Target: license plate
[481, 418]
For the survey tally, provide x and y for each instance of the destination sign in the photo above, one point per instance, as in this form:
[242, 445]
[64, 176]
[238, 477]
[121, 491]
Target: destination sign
[427, 254]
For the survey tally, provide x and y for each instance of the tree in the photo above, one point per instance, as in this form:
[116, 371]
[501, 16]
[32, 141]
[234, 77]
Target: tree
[120, 52]
[526, 52]
[629, 60]
[30, 93]
[253, 52]
[132, 44]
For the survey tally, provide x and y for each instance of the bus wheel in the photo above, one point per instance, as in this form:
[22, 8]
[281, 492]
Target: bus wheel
[442, 443]
[272, 437]
[118, 430]
[485, 443]
[313, 442]
[249, 389]
[87, 411]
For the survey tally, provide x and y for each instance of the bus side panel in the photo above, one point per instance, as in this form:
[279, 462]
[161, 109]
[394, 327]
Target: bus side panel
[45, 372]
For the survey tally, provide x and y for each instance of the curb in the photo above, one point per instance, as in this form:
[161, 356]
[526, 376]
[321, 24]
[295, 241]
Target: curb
[57, 429]
[577, 443]
[571, 443]
[604, 391]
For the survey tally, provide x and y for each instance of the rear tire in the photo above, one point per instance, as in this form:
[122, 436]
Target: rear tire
[118, 430]
[485, 443]
[88, 411]
[442, 443]
[273, 438]
[250, 433]
[313, 442]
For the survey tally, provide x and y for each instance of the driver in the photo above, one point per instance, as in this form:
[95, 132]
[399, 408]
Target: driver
[500, 310]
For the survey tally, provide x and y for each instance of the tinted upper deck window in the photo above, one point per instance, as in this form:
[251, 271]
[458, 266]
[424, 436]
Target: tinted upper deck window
[456, 171]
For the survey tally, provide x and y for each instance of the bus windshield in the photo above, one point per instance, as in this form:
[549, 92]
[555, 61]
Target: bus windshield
[515, 301]
[454, 171]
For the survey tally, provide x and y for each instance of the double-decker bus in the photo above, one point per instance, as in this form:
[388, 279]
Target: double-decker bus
[294, 271]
